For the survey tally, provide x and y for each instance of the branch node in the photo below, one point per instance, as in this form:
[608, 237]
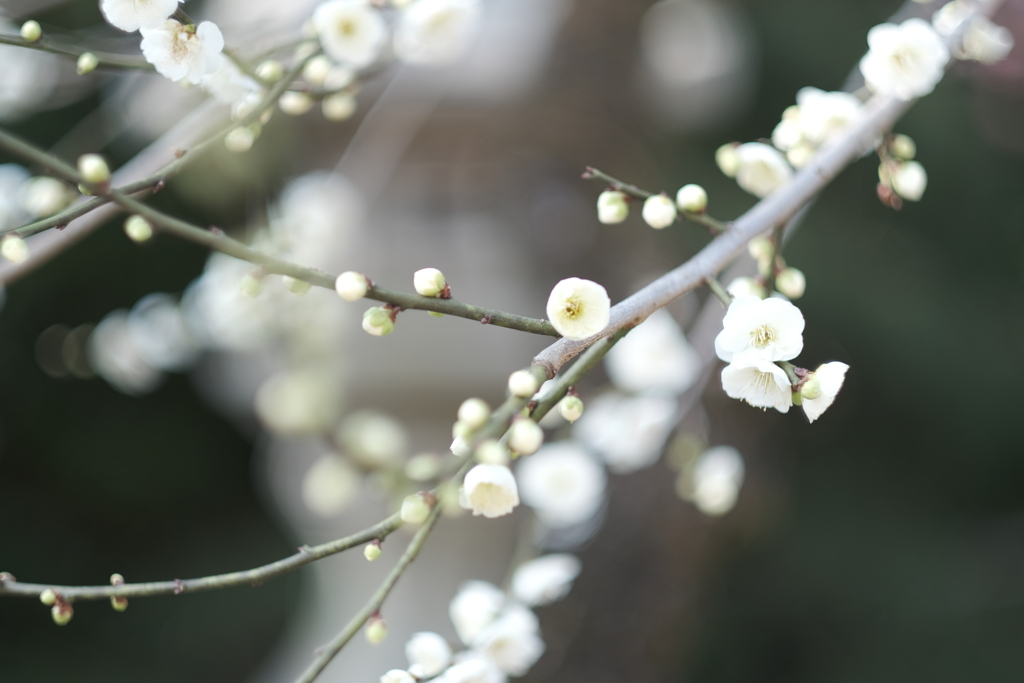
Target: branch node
[7, 577]
[179, 587]
[486, 320]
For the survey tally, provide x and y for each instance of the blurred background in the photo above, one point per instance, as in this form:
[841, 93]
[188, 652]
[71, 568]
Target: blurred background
[884, 542]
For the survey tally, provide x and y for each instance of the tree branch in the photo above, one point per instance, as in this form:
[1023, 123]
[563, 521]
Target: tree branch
[110, 60]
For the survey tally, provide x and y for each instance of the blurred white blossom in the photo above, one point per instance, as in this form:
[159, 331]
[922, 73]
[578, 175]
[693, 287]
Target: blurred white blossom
[114, 357]
[717, 477]
[474, 607]
[227, 84]
[428, 654]
[761, 169]
[987, 42]
[904, 61]
[159, 332]
[351, 31]
[12, 179]
[545, 579]
[512, 641]
[180, 54]
[562, 483]
[372, 439]
[303, 401]
[654, 358]
[629, 432]
[436, 31]
[329, 486]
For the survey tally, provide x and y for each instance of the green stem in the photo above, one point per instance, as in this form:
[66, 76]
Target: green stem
[110, 60]
[587, 362]
[718, 290]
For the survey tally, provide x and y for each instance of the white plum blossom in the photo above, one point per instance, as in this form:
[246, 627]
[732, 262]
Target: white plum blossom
[131, 15]
[745, 286]
[525, 436]
[562, 483]
[489, 490]
[909, 180]
[654, 358]
[904, 61]
[436, 31]
[512, 641]
[629, 432]
[179, 54]
[717, 477]
[351, 31]
[825, 115]
[761, 169]
[987, 42]
[760, 329]
[578, 309]
[474, 607]
[545, 579]
[428, 654]
[612, 207]
[762, 384]
[43, 196]
[329, 486]
[472, 669]
[397, 676]
[821, 388]
[227, 84]
[659, 211]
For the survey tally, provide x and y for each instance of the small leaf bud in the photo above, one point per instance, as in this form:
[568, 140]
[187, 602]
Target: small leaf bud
[119, 603]
[423, 467]
[727, 159]
[48, 597]
[377, 321]
[295, 286]
[316, 69]
[791, 282]
[692, 198]
[612, 207]
[415, 509]
[87, 63]
[270, 71]
[252, 284]
[435, 314]
[14, 249]
[428, 282]
[811, 388]
[525, 436]
[659, 211]
[571, 408]
[93, 169]
[903, 146]
[31, 31]
[492, 452]
[474, 412]
[376, 631]
[339, 106]
[372, 551]
[295, 103]
[62, 613]
[522, 384]
[138, 229]
[351, 286]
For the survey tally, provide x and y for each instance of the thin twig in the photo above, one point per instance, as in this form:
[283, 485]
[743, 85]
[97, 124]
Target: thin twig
[586, 362]
[110, 60]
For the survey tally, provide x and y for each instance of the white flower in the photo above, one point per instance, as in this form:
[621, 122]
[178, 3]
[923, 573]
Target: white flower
[909, 180]
[562, 483]
[428, 654]
[475, 606]
[472, 669]
[904, 61]
[986, 42]
[761, 169]
[948, 17]
[760, 329]
[115, 358]
[522, 383]
[760, 383]
[428, 281]
[295, 402]
[43, 196]
[787, 135]
[397, 676]
[512, 642]
[178, 54]
[629, 432]
[131, 15]
[372, 439]
[545, 579]
[824, 115]
[717, 478]
[578, 308]
[436, 31]
[654, 358]
[659, 211]
[329, 486]
[489, 490]
[821, 388]
[351, 31]
[612, 207]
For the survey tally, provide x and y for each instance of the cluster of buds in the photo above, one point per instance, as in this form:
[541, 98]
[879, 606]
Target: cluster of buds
[899, 176]
[659, 211]
[788, 281]
[60, 609]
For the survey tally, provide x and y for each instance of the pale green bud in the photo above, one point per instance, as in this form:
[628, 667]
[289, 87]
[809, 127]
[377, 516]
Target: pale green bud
[903, 147]
[372, 551]
[316, 69]
[241, 139]
[692, 198]
[428, 282]
[87, 63]
[522, 384]
[460, 430]
[14, 249]
[116, 580]
[435, 314]
[339, 106]
[62, 613]
[270, 71]
[474, 412]
[791, 282]
[612, 207]
[811, 389]
[119, 603]
[295, 286]
[377, 321]
[351, 286]
[252, 284]
[415, 509]
[295, 103]
[570, 408]
[760, 248]
[525, 437]
[31, 31]
[727, 159]
[376, 631]
[48, 597]
[94, 169]
[138, 229]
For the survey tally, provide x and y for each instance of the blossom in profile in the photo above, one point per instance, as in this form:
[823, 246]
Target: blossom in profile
[761, 169]
[545, 579]
[578, 309]
[760, 329]
[350, 31]
[131, 15]
[904, 61]
[489, 490]
[397, 676]
[436, 32]
[823, 116]
[562, 483]
[821, 387]
[762, 384]
[987, 42]
[180, 54]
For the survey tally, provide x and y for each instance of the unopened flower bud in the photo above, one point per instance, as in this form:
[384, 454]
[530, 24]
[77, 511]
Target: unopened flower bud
[474, 412]
[415, 509]
[760, 248]
[492, 452]
[909, 180]
[119, 603]
[295, 286]
[692, 198]
[339, 106]
[791, 282]
[270, 71]
[62, 613]
[811, 389]
[746, 286]
[522, 384]
[903, 146]
[659, 211]
[376, 631]
[799, 155]
[14, 249]
[525, 436]
[428, 282]
[93, 169]
[87, 63]
[252, 284]
[116, 580]
[612, 207]
[792, 112]
[31, 31]
[727, 159]
[423, 467]
[460, 430]
[351, 286]
[241, 139]
[138, 229]
[48, 597]
[316, 69]
[570, 408]
[377, 321]
[372, 551]
[295, 103]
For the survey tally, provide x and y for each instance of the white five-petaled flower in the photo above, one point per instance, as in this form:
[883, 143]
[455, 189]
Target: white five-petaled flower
[179, 54]
[227, 84]
[904, 61]
[578, 308]
[512, 641]
[351, 31]
[428, 654]
[760, 329]
[474, 607]
[821, 388]
[762, 384]
[489, 490]
[824, 115]
[562, 483]
[545, 579]
[131, 15]
[436, 31]
[761, 169]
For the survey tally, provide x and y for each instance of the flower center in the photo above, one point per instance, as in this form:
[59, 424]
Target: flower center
[347, 28]
[573, 308]
[761, 337]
